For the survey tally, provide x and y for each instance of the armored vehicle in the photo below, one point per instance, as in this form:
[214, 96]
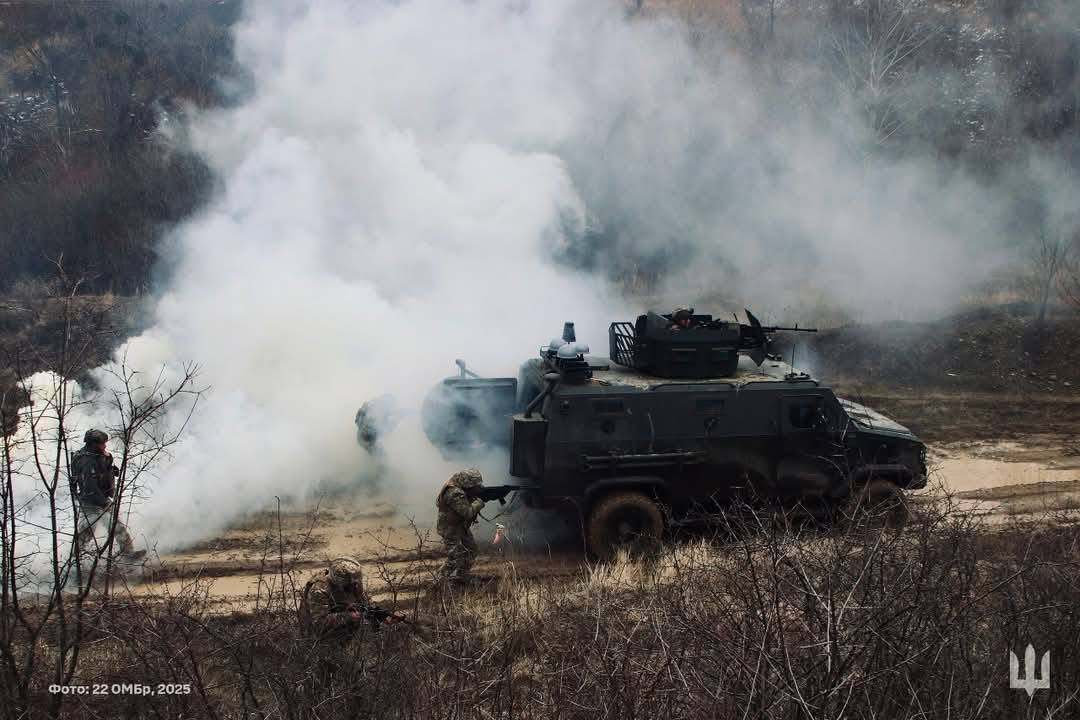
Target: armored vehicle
[676, 419]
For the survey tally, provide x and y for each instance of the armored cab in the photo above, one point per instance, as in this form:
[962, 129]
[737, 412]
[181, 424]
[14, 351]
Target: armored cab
[683, 422]
[675, 423]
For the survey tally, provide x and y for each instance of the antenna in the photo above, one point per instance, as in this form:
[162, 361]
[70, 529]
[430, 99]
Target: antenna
[791, 375]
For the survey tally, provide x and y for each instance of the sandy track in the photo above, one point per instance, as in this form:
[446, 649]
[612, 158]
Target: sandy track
[1031, 466]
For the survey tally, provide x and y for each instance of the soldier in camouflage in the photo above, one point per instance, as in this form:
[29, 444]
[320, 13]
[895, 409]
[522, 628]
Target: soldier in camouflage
[681, 319]
[334, 603]
[458, 509]
[333, 607]
[329, 607]
[329, 616]
[374, 420]
[93, 474]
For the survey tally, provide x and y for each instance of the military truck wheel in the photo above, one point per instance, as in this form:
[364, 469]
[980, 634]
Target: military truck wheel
[881, 500]
[627, 521]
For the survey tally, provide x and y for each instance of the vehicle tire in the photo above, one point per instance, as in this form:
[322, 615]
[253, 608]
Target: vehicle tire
[625, 520]
[879, 501]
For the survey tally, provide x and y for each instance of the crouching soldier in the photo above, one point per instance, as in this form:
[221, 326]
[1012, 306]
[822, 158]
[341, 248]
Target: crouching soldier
[333, 607]
[93, 475]
[334, 603]
[459, 506]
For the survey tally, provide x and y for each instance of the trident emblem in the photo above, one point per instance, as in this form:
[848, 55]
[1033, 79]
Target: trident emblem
[1030, 682]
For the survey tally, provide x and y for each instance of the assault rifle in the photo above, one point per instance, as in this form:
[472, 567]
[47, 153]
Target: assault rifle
[377, 615]
[494, 492]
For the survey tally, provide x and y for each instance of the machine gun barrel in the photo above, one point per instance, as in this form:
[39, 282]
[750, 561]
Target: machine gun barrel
[756, 326]
[779, 328]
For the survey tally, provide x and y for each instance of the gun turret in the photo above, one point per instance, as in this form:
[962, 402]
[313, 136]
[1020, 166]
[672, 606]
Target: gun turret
[703, 348]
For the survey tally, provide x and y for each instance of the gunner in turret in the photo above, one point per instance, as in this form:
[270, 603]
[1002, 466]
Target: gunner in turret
[681, 319]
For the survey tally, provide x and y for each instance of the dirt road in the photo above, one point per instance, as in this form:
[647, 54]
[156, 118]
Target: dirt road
[1000, 457]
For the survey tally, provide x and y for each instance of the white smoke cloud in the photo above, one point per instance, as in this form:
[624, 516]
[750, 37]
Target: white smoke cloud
[390, 201]
[395, 190]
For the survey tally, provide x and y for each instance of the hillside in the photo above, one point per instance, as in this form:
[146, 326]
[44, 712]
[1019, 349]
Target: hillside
[995, 348]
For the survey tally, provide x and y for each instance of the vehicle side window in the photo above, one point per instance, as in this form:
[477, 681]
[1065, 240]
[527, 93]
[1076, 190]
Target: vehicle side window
[806, 415]
[608, 407]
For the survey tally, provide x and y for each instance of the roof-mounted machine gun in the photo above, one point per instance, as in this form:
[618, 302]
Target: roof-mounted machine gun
[698, 347]
[755, 340]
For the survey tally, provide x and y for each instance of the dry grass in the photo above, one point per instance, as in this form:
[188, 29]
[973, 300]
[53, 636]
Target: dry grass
[766, 624]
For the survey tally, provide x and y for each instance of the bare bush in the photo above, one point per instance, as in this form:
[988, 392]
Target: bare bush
[756, 622]
[53, 586]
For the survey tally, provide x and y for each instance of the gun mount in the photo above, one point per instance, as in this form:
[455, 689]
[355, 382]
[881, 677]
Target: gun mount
[704, 348]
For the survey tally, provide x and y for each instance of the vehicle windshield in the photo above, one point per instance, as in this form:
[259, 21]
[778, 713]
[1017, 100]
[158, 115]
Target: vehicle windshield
[870, 419]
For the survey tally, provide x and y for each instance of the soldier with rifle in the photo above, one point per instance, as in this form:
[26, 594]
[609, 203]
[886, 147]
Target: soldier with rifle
[334, 603]
[93, 479]
[459, 502]
[332, 608]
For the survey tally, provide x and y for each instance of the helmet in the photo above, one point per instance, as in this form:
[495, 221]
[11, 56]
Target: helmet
[681, 314]
[468, 479]
[95, 437]
[344, 571]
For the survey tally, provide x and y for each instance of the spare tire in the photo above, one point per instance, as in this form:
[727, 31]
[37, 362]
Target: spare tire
[625, 521]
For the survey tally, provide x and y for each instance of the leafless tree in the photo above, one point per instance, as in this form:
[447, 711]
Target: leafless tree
[875, 43]
[1069, 275]
[1046, 262]
[51, 586]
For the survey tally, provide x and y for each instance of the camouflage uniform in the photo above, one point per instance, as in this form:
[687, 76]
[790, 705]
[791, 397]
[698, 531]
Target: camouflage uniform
[327, 606]
[457, 513]
[327, 618]
[92, 473]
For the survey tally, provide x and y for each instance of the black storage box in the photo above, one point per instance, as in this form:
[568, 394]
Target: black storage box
[651, 346]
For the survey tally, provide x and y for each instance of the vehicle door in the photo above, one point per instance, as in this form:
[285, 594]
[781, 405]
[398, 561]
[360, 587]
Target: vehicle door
[807, 447]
